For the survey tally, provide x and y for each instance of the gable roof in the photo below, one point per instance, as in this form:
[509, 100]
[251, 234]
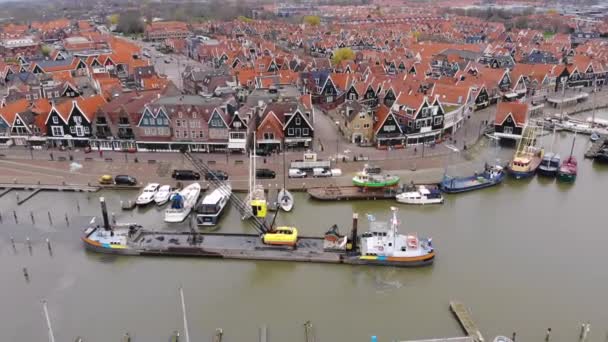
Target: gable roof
[519, 112]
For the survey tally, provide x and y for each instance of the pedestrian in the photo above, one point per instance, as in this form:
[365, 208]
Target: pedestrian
[415, 150]
[51, 154]
[100, 154]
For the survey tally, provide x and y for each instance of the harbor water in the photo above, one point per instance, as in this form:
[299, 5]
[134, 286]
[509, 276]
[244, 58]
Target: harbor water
[524, 256]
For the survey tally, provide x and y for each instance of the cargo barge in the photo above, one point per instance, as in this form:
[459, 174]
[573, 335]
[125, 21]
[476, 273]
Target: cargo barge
[381, 245]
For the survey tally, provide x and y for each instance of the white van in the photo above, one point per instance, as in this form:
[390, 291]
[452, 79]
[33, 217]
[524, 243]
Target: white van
[321, 172]
[296, 173]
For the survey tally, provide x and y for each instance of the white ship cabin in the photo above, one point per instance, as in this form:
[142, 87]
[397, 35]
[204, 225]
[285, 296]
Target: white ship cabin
[382, 239]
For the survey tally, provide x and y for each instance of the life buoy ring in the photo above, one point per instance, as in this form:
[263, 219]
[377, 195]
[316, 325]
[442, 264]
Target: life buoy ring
[380, 248]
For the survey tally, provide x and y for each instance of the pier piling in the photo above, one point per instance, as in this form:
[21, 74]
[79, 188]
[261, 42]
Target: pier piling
[15, 216]
[48, 244]
[263, 334]
[218, 336]
[308, 332]
[26, 275]
[32, 217]
[0, 217]
[548, 335]
[50, 219]
[354, 231]
[29, 244]
[13, 244]
[513, 336]
[67, 220]
[78, 205]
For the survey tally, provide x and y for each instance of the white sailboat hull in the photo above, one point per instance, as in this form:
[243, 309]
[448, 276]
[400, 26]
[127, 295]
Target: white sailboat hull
[286, 200]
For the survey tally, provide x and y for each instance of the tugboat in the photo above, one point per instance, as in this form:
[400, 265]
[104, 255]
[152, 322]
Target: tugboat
[182, 203]
[420, 195]
[549, 165]
[383, 245]
[369, 179]
[491, 175]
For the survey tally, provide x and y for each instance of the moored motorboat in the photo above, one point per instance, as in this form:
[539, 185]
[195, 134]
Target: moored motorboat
[549, 165]
[163, 195]
[147, 194]
[491, 176]
[209, 211]
[182, 203]
[368, 178]
[286, 200]
[420, 195]
[383, 245]
[527, 158]
[602, 156]
[594, 137]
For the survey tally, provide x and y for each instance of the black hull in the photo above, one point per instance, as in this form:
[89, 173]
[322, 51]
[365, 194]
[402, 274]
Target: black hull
[547, 172]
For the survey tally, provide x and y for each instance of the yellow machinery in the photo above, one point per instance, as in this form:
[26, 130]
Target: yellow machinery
[287, 236]
[259, 208]
[106, 179]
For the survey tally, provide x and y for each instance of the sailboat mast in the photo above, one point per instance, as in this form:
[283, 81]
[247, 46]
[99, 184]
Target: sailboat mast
[594, 96]
[561, 107]
[284, 171]
[48, 321]
[572, 148]
[181, 294]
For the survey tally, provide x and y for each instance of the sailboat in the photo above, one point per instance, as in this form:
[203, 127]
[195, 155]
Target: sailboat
[286, 201]
[567, 172]
[527, 158]
[256, 197]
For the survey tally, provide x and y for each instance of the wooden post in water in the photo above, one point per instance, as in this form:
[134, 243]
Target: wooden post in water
[263, 334]
[48, 322]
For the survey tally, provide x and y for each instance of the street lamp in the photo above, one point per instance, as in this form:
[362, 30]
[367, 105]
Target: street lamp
[337, 141]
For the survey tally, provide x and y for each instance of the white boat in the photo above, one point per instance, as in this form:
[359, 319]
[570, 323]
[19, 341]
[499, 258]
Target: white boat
[163, 194]
[420, 195]
[286, 201]
[211, 207]
[147, 194]
[182, 203]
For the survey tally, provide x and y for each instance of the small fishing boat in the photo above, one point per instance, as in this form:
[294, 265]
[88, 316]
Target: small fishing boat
[568, 170]
[211, 207]
[147, 194]
[286, 201]
[420, 195]
[163, 195]
[549, 165]
[383, 245]
[371, 178]
[594, 137]
[491, 175]
[182, 203]
[527, 158]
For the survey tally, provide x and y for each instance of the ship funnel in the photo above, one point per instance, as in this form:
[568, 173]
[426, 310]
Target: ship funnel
[104, 213]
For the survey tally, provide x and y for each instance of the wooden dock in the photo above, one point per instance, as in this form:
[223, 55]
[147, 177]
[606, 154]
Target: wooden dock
[595, 148]
[337, 193]
[464, 317]
[50, 187]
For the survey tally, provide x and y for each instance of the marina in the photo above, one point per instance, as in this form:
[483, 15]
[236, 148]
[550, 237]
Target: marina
[462, 246]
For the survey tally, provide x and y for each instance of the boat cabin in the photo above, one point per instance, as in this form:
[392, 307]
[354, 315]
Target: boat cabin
[282, 236]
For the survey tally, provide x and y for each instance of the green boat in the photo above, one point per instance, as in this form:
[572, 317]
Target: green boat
[363, 179]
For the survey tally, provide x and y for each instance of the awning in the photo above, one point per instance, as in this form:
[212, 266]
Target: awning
[237, 145]
[511, 95]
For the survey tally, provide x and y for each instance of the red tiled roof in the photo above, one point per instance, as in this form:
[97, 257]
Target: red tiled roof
[519, 112]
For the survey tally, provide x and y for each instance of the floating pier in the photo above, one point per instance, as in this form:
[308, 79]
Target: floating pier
[464, 317]
[49, 187]
[336, 193]
[595, 148]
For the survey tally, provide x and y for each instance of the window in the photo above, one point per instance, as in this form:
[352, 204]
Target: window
[305, 131]
[180, 114]
[268, 136]
[78, 120]
[193, 134]
[159, 121]
[361, 115]
[507, 130]
[55, 120]
[87, 130]
[418, 124]
[152, 130]
[177, 135]
[297, 120]
[290, 131]
[56, 94]
[366, 125]
[57, 131]
[145, 121]
[146, 131]
[194, 115]
[73, 129]
[438, 120]
[178, 123]
[200, 134]
[28, 97]
[35, 96]
[165, 121]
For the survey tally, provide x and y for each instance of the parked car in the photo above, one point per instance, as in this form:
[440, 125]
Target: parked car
[265, 174]
[216, 174]
[321, 172]
[263, 152]
[296, 173]
[125, 180]
[106, 179]
[167, 61]
[185, 175]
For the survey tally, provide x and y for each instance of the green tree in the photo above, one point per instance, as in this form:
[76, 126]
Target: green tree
[312, 20]
[130, 22]
[113, 19]
[342, 54]
[45, 50]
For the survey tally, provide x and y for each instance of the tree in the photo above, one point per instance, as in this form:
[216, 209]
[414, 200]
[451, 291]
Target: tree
[113, 19]
[244, 19]
[312, 20]
[342, 54]
[45, 50]
[130, 22]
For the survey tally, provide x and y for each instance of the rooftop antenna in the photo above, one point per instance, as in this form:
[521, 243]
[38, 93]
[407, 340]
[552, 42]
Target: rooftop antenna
[181, 294]
[48, 321]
